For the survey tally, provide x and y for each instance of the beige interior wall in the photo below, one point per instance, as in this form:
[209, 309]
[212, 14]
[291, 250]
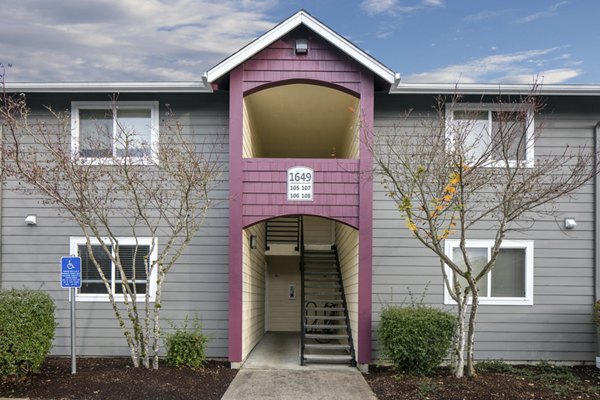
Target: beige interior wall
[347, 244]
[318, 230]
[351, 147]
[284, 313]
[250, 138]
[253, 288]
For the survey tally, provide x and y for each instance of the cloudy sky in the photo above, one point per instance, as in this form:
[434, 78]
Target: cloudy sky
[423, 40]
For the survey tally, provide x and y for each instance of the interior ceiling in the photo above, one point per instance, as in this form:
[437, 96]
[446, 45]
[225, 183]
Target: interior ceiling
[301, 120]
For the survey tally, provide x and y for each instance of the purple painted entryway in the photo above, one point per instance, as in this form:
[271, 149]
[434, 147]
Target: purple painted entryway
[343, 190]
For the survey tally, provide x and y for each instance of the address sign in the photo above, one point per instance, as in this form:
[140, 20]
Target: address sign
[300, 184]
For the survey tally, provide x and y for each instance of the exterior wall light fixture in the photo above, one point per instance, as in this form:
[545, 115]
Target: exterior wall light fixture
[570, 223]
[253, 241]
[301, 46]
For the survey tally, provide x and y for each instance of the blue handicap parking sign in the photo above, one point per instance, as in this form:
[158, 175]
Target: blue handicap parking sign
[70, 272]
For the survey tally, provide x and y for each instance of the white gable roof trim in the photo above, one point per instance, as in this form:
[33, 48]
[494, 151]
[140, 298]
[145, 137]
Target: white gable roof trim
[494, 89]
[103, 87]
[300, 18]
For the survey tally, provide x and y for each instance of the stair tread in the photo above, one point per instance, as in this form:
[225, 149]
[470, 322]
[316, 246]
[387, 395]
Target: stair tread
[325, 336]
[324, 346]
[336, 303]
[331, 317]
[325, 326]
[324, 309]
[328, 357]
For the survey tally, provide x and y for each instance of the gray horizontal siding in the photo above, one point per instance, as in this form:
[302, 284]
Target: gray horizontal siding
[197, 284]
[558, 326]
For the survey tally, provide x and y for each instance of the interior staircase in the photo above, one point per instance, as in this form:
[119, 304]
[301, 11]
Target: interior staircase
[326, 334]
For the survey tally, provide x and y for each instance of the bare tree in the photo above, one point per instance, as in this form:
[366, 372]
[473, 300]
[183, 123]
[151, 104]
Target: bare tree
[472, 167]
[159, 191]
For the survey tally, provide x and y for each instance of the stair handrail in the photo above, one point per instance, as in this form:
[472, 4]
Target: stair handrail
[303, 304]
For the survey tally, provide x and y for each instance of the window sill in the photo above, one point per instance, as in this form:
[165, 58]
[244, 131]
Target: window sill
[498, 301]
[103, 298]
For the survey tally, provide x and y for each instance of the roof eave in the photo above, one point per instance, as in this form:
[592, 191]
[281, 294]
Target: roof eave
[107, 87]
[495, 89]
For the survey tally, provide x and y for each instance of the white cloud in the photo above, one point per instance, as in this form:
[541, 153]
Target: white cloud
[485, 15]
[374, 7]
[550, 76]
[124, 40]
[518, 67]
[434, 3]
[393, 8]
[551, 11]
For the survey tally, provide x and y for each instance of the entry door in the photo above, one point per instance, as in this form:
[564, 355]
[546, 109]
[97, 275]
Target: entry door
[283, 297]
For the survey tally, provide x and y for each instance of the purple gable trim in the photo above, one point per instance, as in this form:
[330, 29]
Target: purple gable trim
[235, 215]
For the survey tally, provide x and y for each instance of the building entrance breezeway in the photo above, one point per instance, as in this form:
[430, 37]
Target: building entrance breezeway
[273, 291]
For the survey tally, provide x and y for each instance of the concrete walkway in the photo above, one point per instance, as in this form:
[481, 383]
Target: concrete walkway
[254, 384]
[272, 371]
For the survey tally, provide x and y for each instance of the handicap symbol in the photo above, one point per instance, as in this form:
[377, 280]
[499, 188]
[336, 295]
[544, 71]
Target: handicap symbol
[70, 265]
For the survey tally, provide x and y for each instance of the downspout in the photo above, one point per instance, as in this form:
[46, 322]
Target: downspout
[597, 235]
[1, 204]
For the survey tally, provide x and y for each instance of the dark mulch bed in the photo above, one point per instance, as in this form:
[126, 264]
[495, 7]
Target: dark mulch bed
[515, 383]
[114, 378]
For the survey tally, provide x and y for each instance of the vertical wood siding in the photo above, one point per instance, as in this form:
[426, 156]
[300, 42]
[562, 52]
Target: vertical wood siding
[197, 284]
[251, 144]
[558, 326]
[254, 275]
[346, 239]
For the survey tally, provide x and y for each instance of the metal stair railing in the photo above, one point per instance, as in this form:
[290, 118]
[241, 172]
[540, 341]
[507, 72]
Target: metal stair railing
[302, 298]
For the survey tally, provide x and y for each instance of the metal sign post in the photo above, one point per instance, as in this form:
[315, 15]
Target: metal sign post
[70, 277]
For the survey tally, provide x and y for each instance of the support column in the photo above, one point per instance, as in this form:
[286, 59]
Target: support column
[365, 231]
[236, 97]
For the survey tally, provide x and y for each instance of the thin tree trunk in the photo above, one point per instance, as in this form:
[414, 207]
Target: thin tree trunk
[460, 339]
[156, 339]
[471, 334]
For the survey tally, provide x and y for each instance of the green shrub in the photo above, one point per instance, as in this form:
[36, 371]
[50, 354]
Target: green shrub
[186, 347]
[26, 331]
[417, 338]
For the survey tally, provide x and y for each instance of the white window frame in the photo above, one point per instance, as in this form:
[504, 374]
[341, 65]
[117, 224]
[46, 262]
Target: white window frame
[490, 108]
[123, 241]
[527, 245]
[121, 105]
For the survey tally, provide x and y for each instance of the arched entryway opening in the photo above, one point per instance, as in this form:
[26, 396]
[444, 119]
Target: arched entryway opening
[289, 262]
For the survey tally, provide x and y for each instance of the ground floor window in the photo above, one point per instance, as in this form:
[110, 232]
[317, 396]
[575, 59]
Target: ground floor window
[135, 257]
[510, 282]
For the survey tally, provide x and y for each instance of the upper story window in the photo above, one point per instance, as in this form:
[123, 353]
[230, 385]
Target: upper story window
[103, 132]
[510, 282]
[499, 132]
[136, 258]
